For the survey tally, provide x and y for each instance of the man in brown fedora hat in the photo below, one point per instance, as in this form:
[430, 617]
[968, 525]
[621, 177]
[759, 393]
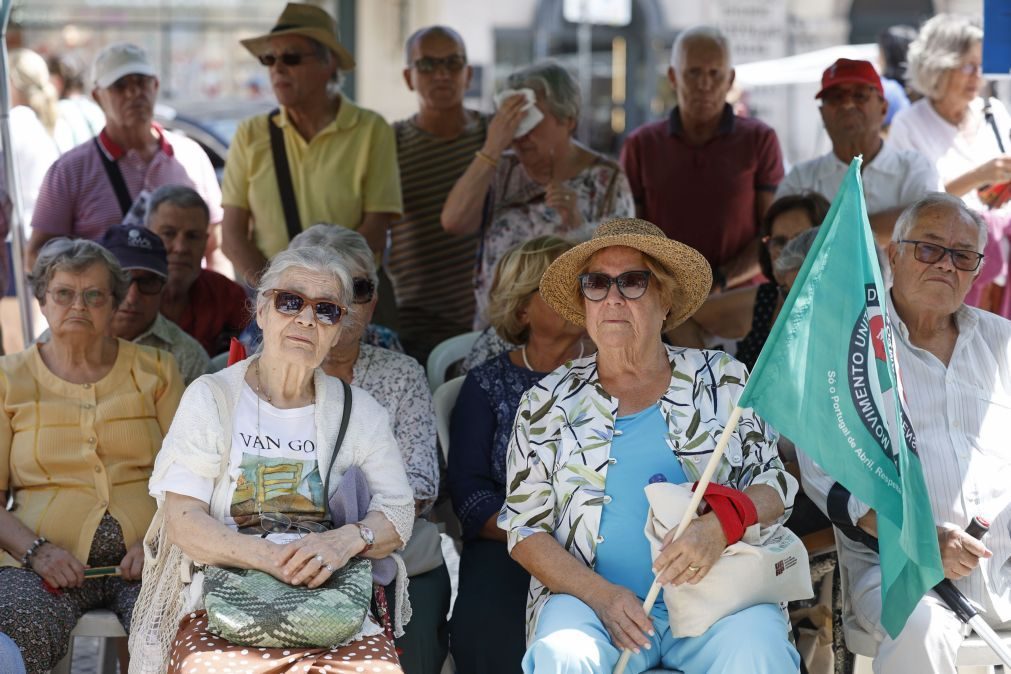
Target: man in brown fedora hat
[319, 158]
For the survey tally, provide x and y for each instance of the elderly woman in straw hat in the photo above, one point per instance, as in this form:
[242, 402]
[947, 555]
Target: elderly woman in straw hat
[589, 437]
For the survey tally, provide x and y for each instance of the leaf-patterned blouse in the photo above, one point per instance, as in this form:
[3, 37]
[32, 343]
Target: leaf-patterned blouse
[561, 444]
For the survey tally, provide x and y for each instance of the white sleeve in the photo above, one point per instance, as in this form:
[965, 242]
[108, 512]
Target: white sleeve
[179, 479]
[817, 485]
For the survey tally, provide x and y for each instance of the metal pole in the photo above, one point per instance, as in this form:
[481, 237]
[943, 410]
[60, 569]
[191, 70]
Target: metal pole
[585, 59]
[13, 184]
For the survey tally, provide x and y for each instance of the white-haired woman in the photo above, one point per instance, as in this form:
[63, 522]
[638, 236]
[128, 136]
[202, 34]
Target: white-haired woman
[234, 428]
[399, 383]
[965, 134]
[548, 183]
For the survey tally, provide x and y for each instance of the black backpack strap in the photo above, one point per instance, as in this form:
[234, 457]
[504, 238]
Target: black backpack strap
[116, 178]
[283, 173]
[345, 418]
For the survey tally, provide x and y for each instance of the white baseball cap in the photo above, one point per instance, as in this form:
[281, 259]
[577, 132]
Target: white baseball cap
[118, 60]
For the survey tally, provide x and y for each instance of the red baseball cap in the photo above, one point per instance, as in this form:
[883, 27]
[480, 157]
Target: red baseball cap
[847, 71]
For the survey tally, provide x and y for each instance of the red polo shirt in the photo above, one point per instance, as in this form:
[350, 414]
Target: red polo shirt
[703, 196]
[218, 310]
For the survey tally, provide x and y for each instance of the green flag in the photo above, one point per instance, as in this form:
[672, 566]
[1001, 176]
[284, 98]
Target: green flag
[827, 380]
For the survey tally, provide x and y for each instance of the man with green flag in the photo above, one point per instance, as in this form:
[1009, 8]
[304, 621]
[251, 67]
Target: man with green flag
[827, 379]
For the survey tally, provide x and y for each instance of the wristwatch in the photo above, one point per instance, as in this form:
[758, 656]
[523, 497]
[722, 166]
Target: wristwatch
[367, 536]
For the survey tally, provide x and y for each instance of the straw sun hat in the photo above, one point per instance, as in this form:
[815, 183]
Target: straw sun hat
[692, 274]
[308, 21]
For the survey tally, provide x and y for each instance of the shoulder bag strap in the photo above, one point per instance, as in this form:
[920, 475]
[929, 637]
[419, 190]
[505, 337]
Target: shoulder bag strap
[345, 417]
[283, 173]
[116, 178]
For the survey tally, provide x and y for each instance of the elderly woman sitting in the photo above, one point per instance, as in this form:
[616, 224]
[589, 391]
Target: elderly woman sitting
[487, 627]
[589, 437]
[274, 414]
[965, 134]
[399, 383]
[84, 416]
[547, 184]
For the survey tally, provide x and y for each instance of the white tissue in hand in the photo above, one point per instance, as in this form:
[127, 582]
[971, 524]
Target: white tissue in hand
[533, 116]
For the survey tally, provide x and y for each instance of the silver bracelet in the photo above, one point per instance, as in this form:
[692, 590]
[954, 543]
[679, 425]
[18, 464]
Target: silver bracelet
[32, 549]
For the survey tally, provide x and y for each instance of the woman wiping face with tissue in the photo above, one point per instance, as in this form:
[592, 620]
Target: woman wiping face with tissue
[536, 177]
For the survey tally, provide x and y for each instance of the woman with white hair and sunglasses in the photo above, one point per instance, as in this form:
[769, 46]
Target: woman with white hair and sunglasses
[399, 383]
[965, 133]
[247, 480]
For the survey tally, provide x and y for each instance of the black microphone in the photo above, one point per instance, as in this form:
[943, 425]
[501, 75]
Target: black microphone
[947, 591]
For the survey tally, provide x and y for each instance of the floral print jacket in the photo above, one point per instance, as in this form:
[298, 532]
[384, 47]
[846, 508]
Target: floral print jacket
[560, 449]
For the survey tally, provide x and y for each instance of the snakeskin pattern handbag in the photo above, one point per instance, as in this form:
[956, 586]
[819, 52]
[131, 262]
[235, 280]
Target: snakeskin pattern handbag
[252, 608]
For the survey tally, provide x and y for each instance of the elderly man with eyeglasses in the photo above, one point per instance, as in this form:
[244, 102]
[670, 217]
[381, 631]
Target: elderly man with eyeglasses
[853, 107]
[956, 369]
[317, 158]
[107, 180]
[434, 147]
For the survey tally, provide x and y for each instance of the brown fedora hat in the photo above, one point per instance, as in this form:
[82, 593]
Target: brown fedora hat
[308, 21]
[692, 274]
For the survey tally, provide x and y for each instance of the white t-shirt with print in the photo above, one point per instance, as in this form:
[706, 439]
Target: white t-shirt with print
[273, 467]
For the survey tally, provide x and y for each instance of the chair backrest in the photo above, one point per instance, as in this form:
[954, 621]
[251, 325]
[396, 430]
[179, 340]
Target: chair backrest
[445, 354]
[858, 641]
[444, 399]
[218, 362]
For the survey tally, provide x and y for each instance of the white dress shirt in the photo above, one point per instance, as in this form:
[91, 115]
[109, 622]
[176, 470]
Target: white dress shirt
[894, 178]
[961, 415]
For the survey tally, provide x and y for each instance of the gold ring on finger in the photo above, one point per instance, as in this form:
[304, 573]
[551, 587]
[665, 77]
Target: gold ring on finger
[693, 568]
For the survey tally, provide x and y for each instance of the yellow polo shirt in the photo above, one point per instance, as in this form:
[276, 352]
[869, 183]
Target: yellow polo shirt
[72, 452]
[346, 170]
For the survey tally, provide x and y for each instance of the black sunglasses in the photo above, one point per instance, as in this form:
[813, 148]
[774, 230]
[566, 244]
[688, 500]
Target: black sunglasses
[363, 290]
[929, 253]
[454, 63]
[290, 303]
[148, 285]
[631, 284]
[288, 58]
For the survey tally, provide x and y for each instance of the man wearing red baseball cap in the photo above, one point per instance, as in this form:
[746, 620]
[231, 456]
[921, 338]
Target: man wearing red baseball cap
[853, 107]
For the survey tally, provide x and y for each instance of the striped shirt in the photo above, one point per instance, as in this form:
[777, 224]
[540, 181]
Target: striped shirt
[432, 271]
[77, 199]
[962, 418]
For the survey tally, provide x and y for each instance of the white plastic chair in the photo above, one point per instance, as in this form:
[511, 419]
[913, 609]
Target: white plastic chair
[98, 623]
[444, 399]
[973, 655]
[445, 354]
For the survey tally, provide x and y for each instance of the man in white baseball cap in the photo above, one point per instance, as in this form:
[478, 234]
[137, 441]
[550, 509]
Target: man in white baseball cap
[107, 180]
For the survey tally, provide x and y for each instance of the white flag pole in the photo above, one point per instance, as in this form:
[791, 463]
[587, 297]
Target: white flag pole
[693, 505]
[13, 184]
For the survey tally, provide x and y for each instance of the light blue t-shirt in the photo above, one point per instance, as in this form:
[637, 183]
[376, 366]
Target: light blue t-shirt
[639, 452]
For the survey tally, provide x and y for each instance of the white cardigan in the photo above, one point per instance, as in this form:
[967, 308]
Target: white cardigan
[200, 439]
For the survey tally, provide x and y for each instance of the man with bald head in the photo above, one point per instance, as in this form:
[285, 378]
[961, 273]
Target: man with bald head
[704, 175]
[432, 271]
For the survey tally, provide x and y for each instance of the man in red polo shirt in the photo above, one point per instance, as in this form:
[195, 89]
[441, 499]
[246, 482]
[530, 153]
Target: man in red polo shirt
[210, 307]
[704, 175]
[106, 181]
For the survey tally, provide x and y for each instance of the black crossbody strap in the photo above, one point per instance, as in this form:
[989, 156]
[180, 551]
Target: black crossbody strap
[283, 173]
[116, 178]
[345, 418]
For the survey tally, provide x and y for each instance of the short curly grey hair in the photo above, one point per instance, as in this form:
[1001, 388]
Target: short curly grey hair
[940, 46]
[323, 261]
[554, 83]
[351, 246]
[74, 256]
